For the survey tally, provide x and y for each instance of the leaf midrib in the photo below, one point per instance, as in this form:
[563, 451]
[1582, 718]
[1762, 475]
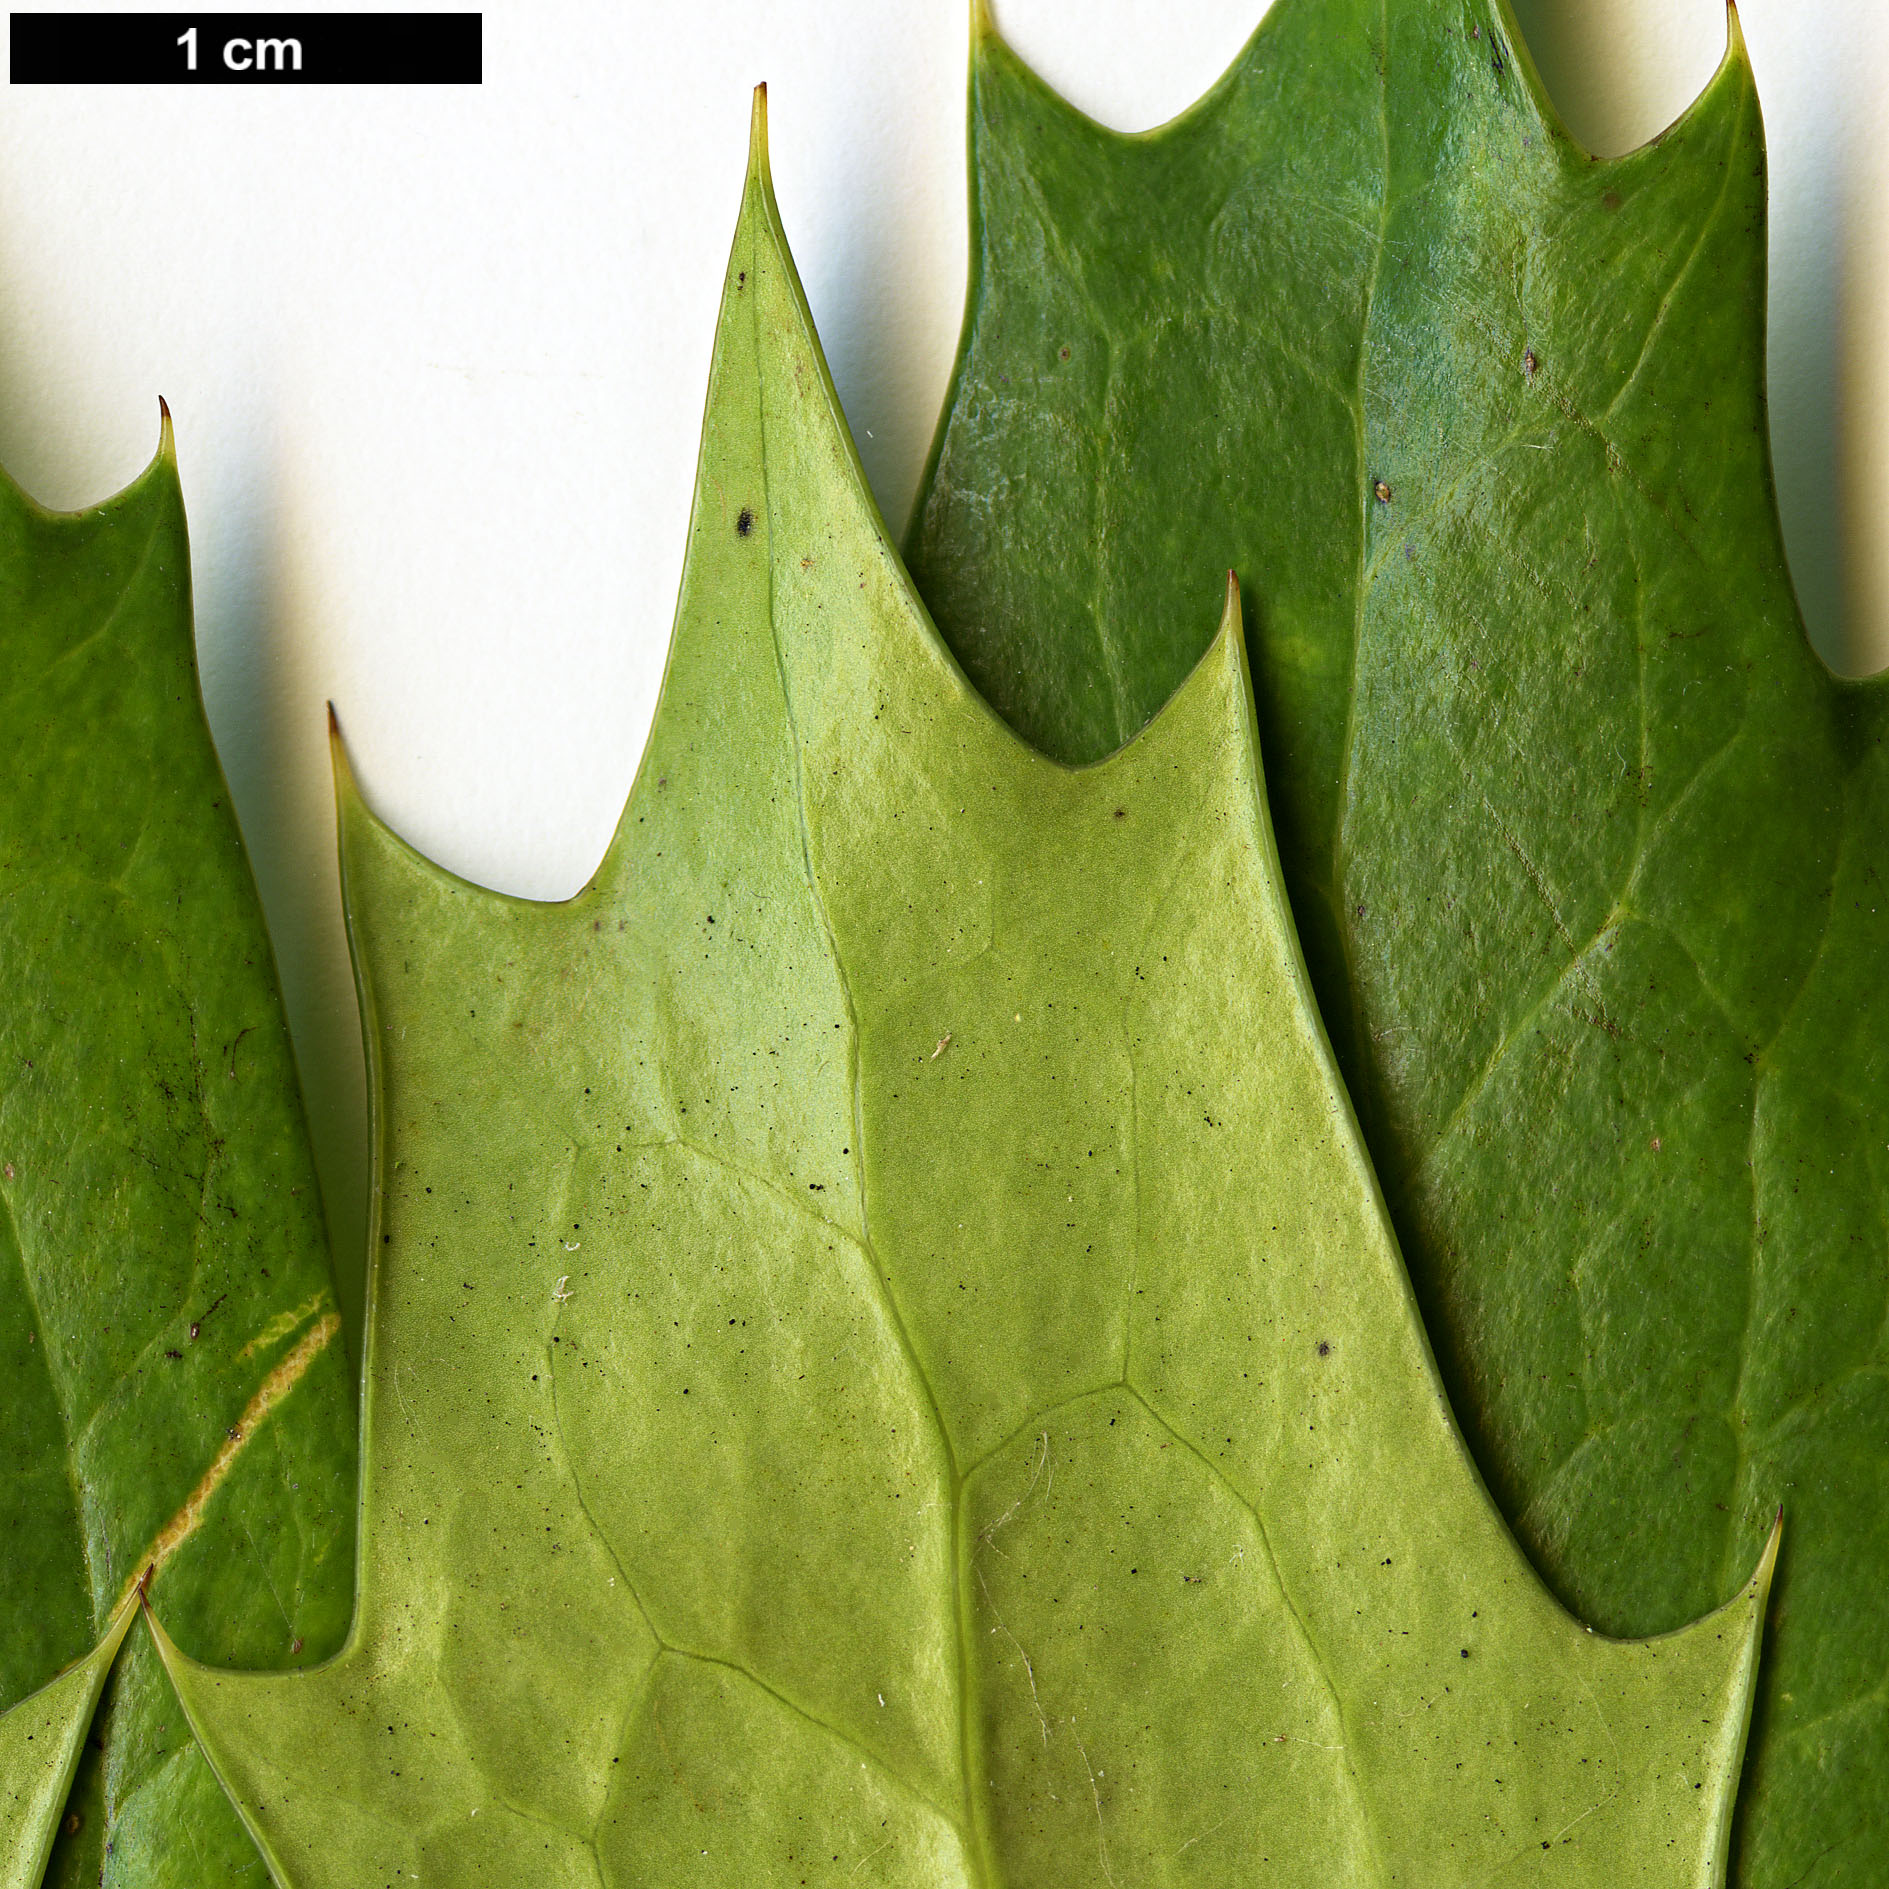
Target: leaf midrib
[971, 1833]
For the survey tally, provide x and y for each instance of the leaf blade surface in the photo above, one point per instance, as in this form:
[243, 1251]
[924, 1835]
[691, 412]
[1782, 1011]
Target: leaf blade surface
[163, 1263]
[824, 1418]
[1581, 837]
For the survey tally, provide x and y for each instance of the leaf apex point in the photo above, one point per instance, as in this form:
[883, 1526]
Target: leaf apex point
[1767, 1561]
[1231, 612]
[166, 436]
[347, 789]
[983, 23]
[757, 133]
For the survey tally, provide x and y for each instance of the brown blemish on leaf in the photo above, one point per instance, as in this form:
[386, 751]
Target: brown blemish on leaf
[1382, 492]
[269, 1393]
[282, 1324]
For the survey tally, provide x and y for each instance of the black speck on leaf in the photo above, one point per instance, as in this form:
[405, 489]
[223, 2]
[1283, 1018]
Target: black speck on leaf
[745, 523]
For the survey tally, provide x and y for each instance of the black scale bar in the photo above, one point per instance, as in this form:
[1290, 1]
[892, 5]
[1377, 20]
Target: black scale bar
[246, 48]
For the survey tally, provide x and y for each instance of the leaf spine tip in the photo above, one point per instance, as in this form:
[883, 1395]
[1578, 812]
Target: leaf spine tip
[1230, 616]
[983, 23]
[757, 133]
[166, 438]
[1759, 1586]
[339, 764]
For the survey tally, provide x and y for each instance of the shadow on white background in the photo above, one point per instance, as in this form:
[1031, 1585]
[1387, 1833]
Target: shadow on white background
[437, 361]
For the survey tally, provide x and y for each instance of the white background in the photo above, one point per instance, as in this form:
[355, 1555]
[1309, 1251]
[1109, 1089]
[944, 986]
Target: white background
[437, 358]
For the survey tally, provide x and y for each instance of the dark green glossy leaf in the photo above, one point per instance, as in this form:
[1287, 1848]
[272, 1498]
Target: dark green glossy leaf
[164, 1278]
[886, 1367]
[1584, 842]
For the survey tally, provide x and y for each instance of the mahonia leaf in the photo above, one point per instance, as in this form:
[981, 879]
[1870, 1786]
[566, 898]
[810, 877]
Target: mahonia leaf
[886, 1360]
[1584, 842]
[40, 1742]
[172, 1397]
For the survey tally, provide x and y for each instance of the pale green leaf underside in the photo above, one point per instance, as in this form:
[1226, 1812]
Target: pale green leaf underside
[887, 1364]
[40, 1742]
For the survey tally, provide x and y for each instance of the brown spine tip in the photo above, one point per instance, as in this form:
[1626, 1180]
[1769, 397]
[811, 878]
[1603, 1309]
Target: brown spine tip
[757, 138]
[1230, 611]
[339, 763]
[166, 440]
[144, 1583]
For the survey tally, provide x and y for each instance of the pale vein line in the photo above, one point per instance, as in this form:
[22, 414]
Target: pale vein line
[1095, 1791]
[109, 620]
[966, 1822]
[1658, 325]
[1360, 1032]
